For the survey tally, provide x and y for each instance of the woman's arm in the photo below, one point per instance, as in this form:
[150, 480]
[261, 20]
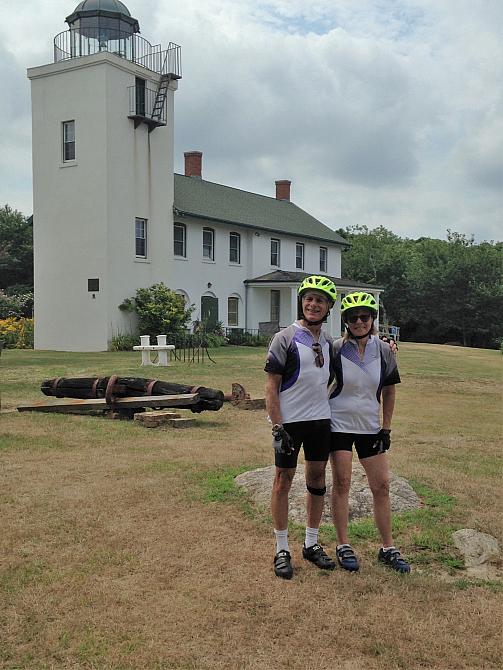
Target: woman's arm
[388, 405]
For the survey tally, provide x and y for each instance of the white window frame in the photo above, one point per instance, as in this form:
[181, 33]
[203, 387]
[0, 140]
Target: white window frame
[234, 322]
[140, 233]
[324, 261]
[299, 256]
[68, 141]
[180, 226]
[236, 248]
[210, 247]
[277, 253]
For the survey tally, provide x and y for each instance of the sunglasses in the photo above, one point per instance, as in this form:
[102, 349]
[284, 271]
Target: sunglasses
[364, 318]
[319, 361]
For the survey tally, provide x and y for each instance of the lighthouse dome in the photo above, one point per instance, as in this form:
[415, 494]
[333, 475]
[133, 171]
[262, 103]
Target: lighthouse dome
[111, 15]
[104, 5]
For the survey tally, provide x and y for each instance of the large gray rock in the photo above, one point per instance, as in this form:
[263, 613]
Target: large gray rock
[480, 552]
[259, 484]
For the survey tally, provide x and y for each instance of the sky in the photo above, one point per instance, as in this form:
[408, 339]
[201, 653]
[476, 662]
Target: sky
[380, 112]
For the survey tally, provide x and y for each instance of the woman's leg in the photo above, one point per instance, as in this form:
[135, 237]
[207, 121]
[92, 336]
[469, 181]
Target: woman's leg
[377, 470]
[340, 462]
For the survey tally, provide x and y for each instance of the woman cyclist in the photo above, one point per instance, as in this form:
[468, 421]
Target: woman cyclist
[365, 372]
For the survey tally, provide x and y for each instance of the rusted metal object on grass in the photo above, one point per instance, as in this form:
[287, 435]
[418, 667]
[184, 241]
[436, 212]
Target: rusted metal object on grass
[114, 387]
[240, 398]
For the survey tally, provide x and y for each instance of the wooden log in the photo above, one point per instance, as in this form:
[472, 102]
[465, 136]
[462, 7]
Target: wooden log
[155, 419]
[77, 404]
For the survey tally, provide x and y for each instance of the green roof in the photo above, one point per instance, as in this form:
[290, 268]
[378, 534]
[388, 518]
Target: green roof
[215, 202]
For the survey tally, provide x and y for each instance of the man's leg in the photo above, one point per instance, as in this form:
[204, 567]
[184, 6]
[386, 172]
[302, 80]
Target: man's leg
[341, 463]
[282, 484]
[315, 482]
[315, 479]
[279, 508]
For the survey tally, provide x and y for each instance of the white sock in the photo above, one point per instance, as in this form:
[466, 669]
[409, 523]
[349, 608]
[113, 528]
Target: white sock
[388, 548]
[281, 540]
[311, 537]
[339, 546]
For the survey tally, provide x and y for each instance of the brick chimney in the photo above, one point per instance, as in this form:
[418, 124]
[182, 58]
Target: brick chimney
[193, 164]
[283, 189]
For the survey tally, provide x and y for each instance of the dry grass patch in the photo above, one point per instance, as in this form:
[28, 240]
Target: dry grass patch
[129, 548]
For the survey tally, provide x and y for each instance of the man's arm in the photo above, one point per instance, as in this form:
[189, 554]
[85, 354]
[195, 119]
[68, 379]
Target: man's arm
[272, 386]
[388, 405]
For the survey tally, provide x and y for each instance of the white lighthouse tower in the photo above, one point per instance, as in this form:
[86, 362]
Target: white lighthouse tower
[102, 174]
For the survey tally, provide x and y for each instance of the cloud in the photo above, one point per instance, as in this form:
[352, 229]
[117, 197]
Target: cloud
[384, 112]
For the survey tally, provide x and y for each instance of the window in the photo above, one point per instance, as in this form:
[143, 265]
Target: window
[141, 238]
[234, 248]
[299, 256]
[209, 244]
[140, 96]
[93, 285]
[323, 259]
[68, 141]
[275, 305]
[232, 312]
[274, 252]
[179, 239]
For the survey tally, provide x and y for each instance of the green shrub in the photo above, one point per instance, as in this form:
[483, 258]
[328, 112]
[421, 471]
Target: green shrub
[160, 310]
[123, 342]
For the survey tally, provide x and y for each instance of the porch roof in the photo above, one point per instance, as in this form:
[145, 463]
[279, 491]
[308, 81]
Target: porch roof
[284, 277]
[215, 202]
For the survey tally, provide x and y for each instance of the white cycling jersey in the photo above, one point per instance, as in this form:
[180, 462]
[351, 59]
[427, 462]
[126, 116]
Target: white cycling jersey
[355, 400]
[303, 393]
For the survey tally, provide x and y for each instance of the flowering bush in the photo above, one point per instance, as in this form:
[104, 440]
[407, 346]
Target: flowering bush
[16, 304]
[17, 333]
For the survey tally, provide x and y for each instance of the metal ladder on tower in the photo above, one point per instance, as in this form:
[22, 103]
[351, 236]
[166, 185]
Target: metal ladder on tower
[160, 100]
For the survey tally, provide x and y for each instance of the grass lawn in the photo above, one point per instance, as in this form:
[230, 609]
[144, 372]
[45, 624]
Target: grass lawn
[124, 547]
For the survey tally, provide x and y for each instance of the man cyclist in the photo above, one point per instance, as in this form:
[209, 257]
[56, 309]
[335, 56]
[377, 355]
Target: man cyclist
[298, 372]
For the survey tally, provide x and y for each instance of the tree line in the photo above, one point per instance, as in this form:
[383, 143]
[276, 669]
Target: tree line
[441, 291]
[436, 290]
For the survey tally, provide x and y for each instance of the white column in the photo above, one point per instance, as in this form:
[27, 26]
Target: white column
[376, 297]
[293, 304]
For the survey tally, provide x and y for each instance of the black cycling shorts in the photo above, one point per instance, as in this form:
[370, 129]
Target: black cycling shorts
[312, 436]
[364, 443]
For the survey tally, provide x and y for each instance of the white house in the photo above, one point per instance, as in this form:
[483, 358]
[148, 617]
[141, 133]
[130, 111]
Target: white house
[110, 216]
[239, 256]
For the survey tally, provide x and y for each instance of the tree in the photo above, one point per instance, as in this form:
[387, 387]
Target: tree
[160, 310]
[16, 250]
[435, 290]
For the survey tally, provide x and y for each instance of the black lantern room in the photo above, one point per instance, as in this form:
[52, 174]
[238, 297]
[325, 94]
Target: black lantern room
[105, 19]
[107, 25]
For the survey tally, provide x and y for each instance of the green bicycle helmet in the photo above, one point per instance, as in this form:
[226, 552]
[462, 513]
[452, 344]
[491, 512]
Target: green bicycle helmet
[359, 299]
[319, 283]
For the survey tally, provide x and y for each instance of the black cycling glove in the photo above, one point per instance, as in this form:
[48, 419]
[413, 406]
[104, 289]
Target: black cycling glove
[282, 442]
[383, 441]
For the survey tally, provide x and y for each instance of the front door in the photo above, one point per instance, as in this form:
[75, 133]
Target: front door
[209, 311]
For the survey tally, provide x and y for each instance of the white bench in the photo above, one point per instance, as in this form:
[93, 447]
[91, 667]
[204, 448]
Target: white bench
[161, 349]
